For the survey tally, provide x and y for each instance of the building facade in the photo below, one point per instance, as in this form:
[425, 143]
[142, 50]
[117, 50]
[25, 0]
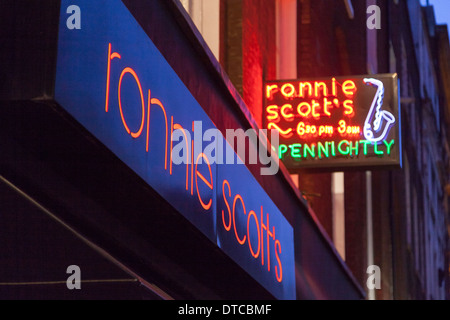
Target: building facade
[87, 180]
[402, 215]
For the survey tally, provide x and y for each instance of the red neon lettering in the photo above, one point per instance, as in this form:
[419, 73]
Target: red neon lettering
[342, 127]
[262, 237]
[306, 130]
[115, 55]
[208, 183]
[192, 164]
[227, 227]
[278, 271]
[302, 113]
[285, 133]
[348, 105]
[238, 196]
[131, 71]
[302, 87]
[346, 130]
[301, 128]
[272, 113]
[315, 105]
[288, 90]
[288, 117]
[317, 86]
[291, 91]
[159, 104]
[349, 88]
[253, 214]
[108, 74]
[333, 87]
[179, 127]
[327, 104]
[270, 90]
[269, 235]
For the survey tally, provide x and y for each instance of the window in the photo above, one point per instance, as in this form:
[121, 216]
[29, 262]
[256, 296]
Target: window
[206, 16]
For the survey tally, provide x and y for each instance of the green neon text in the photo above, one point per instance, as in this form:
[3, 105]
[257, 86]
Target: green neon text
[330, 149]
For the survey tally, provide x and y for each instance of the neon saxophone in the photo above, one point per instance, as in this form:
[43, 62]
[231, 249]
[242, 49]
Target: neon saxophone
[384, 120]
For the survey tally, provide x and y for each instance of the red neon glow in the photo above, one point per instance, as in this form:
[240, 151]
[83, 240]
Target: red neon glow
[108, 74]
[327, 104]
[179, 127]
[192, 161]
[302, 87]
[262, 236]
[287, 111]
[349, 88]
[289, 93]
[269, 235]
[238, 196]
[159, 104]
[208, 183]
[115, 55]
[320, 86]
[301, 109]
[192, 166]
[288, 117]
[253, 214]
[345, 130]
[312, 89]
[315, 105]
[273, 113]
[318, 99]
[305, 130]
[270, 90]
[226, 226]
[278, 271]
[285, 133]
[333, 87]
[108, 78]
[131, 71]
[348, 105]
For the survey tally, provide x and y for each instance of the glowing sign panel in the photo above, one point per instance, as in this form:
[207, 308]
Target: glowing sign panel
[335, 122]
[113, 80]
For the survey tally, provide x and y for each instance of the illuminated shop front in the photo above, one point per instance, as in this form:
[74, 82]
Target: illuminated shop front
[110, 107]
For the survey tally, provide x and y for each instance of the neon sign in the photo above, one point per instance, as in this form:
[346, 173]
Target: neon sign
[335, 122]
[113, 80]
[369, 132]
